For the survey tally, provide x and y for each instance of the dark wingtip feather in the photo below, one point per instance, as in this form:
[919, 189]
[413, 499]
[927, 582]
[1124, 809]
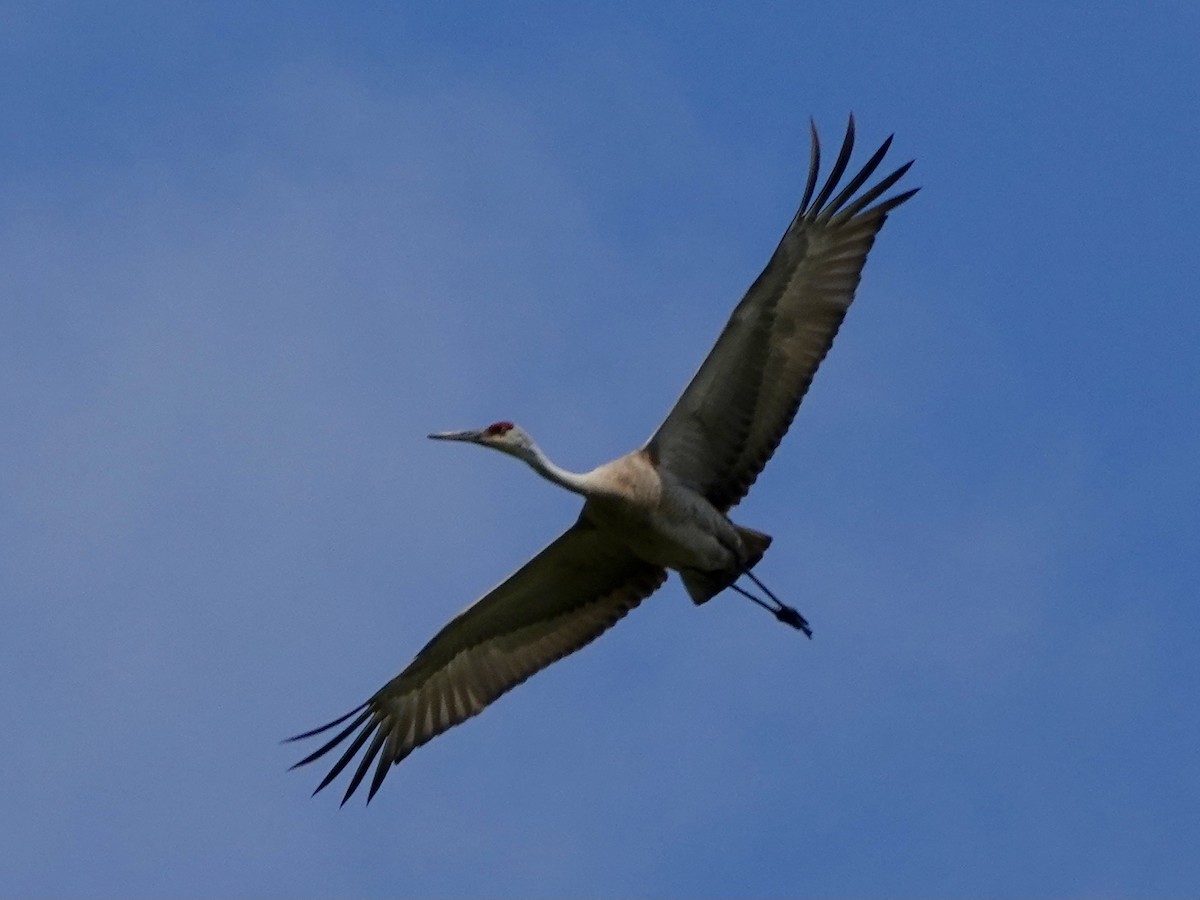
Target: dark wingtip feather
[839, 167]
[861, 178]
[363, 765]
[334, 741]
[898, 199]
[348, 755]
[381, 770]
[814, 166]
[876, 192]
[324, 728]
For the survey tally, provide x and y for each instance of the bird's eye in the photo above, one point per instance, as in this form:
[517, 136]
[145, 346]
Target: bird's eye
[496, 429]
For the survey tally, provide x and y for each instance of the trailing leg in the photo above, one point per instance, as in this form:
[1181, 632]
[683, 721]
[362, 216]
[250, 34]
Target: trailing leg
[781, 611]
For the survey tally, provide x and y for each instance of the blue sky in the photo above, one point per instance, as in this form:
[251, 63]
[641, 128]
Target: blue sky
[252, 257]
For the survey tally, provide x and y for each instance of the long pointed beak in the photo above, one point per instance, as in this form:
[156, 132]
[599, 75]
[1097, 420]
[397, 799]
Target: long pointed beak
[471, 436]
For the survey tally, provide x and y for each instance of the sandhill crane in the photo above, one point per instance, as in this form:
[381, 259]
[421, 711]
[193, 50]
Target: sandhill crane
[663, 506]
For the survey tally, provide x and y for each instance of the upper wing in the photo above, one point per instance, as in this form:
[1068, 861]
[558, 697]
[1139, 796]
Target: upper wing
[563, 598]
[740, 403]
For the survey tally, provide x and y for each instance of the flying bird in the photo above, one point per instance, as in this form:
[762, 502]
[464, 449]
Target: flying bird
[661, 507]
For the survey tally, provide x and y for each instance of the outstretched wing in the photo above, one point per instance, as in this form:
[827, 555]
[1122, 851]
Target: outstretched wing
[737, 408]
[563, 598]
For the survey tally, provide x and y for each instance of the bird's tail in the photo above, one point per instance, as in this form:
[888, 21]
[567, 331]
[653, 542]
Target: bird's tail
[755, 544]
[703, 586]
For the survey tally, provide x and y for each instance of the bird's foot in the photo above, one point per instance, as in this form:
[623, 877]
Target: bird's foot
[779, 610]
[792, 617]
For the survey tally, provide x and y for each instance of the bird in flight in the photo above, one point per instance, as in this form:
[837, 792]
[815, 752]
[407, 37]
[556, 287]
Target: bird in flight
[663, 506]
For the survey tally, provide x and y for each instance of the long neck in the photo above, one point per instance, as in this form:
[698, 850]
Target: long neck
[572, 481]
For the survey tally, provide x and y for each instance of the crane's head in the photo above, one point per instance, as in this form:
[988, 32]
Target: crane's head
[503, 436]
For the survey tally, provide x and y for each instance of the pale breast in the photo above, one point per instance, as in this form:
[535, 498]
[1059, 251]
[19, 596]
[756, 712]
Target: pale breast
[660, 520]
[630, 479]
